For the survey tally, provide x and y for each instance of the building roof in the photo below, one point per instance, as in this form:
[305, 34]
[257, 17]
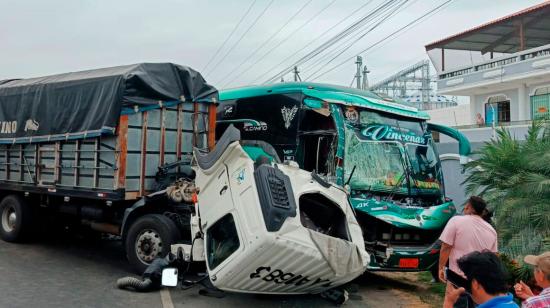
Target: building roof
[502, 35]
[329, 93]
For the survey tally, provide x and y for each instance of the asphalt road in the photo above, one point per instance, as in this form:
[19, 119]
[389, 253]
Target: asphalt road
[71, 271]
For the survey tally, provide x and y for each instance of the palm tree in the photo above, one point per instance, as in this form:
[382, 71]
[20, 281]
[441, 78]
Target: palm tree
[514, 177]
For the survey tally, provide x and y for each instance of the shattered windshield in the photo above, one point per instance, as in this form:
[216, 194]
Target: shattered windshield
[378, 165]
[385, 149]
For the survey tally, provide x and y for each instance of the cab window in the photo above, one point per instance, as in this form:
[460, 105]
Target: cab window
[222, 241]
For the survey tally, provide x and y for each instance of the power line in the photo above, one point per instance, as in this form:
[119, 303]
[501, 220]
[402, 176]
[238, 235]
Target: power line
[246, 59]
[407, 30]
[229, 36]
[334, 39]
[432, 11]
[346, 48]
[315, 39]
[339, 49]
[242, 36]
[286, 39]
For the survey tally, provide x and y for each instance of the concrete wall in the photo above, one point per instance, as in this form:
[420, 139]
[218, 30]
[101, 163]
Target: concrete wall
[451, 116]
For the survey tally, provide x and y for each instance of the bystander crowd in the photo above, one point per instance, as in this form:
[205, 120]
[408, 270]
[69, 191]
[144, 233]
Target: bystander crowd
[463, 235]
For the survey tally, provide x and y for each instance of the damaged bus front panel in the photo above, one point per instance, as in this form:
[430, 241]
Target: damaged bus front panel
[266, 225]
[381, 149]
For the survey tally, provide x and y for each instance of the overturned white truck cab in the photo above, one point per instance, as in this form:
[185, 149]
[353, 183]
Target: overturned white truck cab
[270, 227]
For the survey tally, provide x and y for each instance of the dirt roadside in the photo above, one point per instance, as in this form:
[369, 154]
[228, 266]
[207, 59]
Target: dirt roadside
[398, 290]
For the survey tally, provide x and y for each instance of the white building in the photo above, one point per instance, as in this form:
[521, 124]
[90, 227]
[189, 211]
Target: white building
[503, 66]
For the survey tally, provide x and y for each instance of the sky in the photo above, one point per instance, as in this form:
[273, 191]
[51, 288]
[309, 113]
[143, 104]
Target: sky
[39, 38]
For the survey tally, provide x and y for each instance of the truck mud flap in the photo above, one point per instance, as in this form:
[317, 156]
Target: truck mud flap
[276, 196]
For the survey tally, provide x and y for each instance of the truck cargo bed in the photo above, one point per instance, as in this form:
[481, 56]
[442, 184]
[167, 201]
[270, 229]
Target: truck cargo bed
[116, 167]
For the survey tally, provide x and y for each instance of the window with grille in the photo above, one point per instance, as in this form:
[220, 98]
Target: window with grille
[540, 104]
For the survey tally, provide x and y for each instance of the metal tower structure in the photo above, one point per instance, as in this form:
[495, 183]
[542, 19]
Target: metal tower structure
[414, 85]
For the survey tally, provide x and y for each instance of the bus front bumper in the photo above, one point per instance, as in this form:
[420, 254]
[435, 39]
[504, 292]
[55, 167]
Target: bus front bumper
[405, 258]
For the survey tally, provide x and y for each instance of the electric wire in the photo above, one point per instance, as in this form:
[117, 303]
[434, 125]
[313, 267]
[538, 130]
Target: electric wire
[351, 83]
[341, 47]
[385, 43]
[246, 59]
[229, 36]
[283, 40]
[345, 45]
[429, 13]
[312, 41]
[242, 36]
[389, 15]
[349, 30]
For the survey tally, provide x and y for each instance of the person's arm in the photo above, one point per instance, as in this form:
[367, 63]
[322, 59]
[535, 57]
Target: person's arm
[452, 296]
[447, 239]
[523, 291]
[443, 258]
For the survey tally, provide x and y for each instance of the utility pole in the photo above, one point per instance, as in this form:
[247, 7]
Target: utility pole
[365, 79]
[359, 62]
[297, 74]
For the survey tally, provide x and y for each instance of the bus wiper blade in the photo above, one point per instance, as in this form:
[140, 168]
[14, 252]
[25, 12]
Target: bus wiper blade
[350, 175]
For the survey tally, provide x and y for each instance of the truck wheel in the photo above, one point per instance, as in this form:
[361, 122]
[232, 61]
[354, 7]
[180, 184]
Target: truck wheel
[15, 219]
[150, 237]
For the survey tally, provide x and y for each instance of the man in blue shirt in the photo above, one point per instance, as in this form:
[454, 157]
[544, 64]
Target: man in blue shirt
[486, 281]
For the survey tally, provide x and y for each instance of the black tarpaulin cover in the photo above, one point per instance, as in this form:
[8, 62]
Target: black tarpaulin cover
[89, 103]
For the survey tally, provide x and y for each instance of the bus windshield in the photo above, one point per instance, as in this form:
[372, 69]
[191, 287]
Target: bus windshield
[378, 165]
[390, 153]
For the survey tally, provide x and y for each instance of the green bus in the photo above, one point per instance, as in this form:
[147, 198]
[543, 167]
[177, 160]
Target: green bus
[379, 149]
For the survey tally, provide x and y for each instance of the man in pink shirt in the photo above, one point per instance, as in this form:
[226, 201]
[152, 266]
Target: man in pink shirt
[463, 235]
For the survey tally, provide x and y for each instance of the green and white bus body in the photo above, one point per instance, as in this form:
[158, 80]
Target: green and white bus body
[378, 148]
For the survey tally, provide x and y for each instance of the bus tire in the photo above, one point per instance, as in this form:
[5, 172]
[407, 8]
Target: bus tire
[150, 237]
[15, 219]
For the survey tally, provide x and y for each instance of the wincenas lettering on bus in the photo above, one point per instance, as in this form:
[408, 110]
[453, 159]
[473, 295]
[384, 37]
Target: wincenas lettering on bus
[385, 132]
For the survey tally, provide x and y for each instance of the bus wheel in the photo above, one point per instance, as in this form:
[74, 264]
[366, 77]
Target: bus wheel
[150, 237]
[15, 219]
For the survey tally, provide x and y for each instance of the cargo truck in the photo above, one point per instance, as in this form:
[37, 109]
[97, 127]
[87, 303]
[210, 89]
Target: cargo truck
[92, 145]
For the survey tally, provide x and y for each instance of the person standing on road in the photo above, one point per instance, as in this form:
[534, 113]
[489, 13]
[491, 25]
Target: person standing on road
[463, 235]
[542, 277]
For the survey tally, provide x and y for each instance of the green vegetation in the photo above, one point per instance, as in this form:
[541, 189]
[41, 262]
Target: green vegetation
[514, 177]
[435, 290]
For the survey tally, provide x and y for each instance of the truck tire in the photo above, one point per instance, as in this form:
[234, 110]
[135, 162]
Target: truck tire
[15, 219]
[150, 237]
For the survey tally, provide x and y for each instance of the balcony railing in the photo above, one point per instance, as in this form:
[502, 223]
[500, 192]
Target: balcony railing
[501, 124]
[522, 56]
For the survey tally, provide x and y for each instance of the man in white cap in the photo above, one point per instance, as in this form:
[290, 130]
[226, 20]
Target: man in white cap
[542, 277]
